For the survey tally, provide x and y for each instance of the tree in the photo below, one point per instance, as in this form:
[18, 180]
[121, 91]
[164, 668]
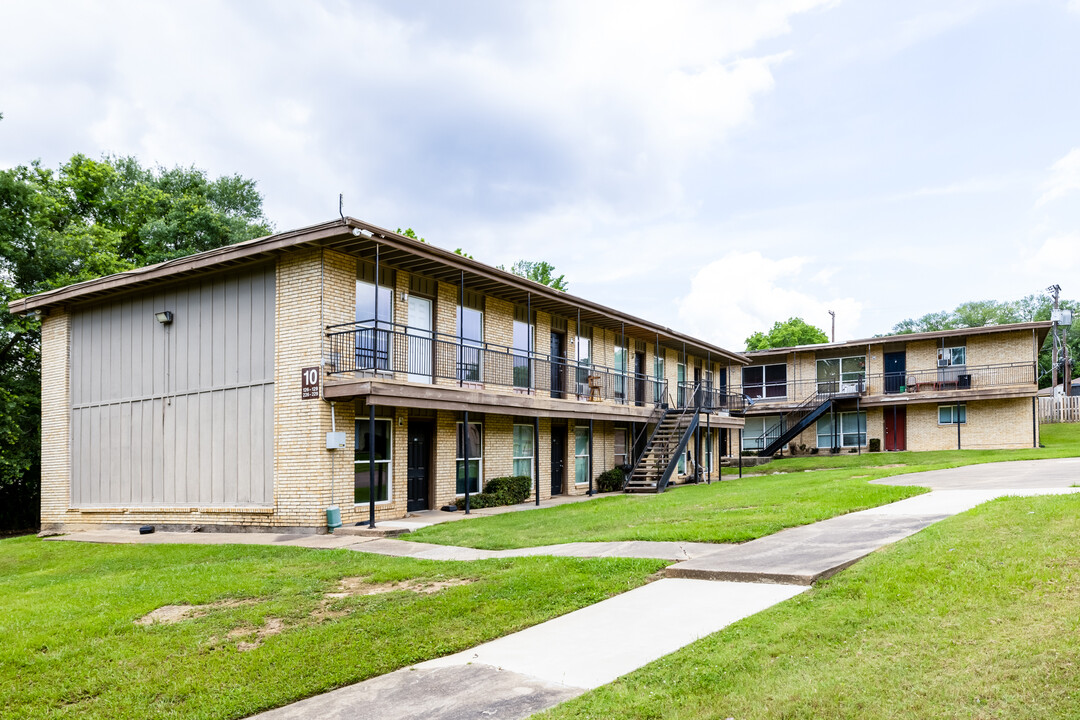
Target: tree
[980, 313]
[539, 271]
[87, 219]
[793, 331]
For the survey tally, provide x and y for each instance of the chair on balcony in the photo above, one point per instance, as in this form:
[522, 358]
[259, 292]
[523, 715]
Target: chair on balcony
[594, 388]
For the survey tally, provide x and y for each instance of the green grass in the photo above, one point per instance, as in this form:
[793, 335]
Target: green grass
[69, 647]
[975, 617]
[790, 492]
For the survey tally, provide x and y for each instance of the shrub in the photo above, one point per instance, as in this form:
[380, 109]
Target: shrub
[499, 491]
[875, 444]
[610, 480]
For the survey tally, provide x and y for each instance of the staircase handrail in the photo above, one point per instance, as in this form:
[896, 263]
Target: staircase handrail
[645, 448]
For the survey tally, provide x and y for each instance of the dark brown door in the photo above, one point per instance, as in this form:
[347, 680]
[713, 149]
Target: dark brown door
[419, 472]
[558, 458]
[558, 364]
[895, 428]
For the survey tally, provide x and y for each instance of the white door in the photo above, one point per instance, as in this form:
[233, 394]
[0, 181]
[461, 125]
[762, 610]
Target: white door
[420, 349]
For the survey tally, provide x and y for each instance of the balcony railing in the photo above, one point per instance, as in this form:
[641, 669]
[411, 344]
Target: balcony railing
[711, 399]
[423, 356]
[951, 378]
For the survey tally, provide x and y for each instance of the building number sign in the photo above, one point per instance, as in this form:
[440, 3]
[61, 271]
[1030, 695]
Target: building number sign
[309, 383]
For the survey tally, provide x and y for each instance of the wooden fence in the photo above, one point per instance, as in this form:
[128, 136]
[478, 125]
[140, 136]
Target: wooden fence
[1059, 409]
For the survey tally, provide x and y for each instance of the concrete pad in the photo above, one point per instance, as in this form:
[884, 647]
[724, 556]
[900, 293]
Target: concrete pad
[424, 551]
[806, 554]
[452, 693]
[379, 531]
[952, 502]
[592, 646]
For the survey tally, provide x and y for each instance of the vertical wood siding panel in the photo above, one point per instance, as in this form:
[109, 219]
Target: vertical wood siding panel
[243, 446]
[191, 416]
[256, 446]
[125, 453]
[178, 413]
[76, 459]
[116, 351]
[112, 480]
[258, 334]
[168, 452]
[232, 301]
[218, 446]
[206, 461]
[206, 336]
[146, 453]
[243, 330]
[218, 342]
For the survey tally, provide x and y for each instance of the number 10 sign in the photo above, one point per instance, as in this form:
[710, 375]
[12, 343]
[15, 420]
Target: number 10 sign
[309, 383]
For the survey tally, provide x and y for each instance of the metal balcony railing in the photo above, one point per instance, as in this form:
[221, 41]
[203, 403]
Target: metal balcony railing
[950, 378]
[710, 399]
[422, 356]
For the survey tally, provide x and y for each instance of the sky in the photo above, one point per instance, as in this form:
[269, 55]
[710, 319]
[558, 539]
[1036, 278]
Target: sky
[714, 167]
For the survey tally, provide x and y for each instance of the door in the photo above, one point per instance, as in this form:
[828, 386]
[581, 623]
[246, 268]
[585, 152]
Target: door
[895, 428]
[420, 348]
[558, 364]
[419, 472]
[895, 372]
[639, 378]
[558, 458]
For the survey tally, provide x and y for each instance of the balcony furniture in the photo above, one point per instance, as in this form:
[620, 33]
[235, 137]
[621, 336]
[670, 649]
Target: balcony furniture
[594, 388]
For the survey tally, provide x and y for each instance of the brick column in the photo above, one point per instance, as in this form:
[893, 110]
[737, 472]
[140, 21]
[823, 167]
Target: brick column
[55, 419]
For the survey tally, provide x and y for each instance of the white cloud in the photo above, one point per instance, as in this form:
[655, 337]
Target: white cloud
[1057, 254]
[1064, 178]
[744, 292]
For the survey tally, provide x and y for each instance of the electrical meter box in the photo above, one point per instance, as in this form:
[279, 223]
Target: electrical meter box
[335, 441]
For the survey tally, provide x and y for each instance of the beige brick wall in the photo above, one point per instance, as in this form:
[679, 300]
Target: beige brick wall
[55, 419]
[990, 424]
[1001, 348]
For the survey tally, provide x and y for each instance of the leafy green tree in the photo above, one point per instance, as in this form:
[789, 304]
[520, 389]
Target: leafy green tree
[793, 331]
[87, 219]
[539, 271]
[980, 313]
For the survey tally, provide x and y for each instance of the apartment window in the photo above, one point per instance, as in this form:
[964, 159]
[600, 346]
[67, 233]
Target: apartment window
[584, 359]
[850, 430]
[841, 374]
[658, 367]
[373, 346]
[476, 457]
[760, 431]
[370, 474]
[680, 385]
[765, 381]
[470, 328]
[620, 367]
[524, 342]
[949, 356]
[948, 414]
[707, 450]
[581, 454]
[622, 456]
[523, 450]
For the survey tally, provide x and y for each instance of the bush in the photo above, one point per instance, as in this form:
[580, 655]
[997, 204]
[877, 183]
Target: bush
[610, 480]
[498, 492]
[875, 444]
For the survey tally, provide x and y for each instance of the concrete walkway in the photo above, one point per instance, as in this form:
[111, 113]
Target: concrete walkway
[539, 667]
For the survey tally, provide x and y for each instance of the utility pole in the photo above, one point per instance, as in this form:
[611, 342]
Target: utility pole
[1055, 317]
[833, 326]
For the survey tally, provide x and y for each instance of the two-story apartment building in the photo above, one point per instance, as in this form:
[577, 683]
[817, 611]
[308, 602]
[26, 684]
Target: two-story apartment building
[968, 388]
[256, 385]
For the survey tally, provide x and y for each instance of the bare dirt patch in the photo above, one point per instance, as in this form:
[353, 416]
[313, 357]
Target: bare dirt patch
[254, 636]
[169, 614]
[358, 587]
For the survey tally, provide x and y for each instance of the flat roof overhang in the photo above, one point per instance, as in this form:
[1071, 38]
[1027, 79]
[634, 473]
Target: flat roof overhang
[447, 397]
[916, 398]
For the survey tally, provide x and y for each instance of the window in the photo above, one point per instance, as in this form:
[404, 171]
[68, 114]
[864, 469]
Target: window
[470, 328]
[476, 457]
[841, 374]
[581, 454]
[364, 478]
[767, 381]
[947, 414]
[373, 353]
[850, 430]
[620, 367]
[707, 436]
[680, 385]
[621, 455]
[584, 359]
[947, 357]
[523, 450]
[658, 366]
[760, 431]
[524, 334]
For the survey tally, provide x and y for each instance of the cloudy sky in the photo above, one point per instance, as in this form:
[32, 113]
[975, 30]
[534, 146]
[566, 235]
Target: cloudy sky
[713, 166]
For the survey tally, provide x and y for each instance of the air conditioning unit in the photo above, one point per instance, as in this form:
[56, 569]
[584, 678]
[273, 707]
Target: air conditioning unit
[943, 363]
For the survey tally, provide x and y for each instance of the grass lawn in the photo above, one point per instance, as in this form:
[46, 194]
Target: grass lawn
[735, 510]
[276, 625]
[975, 617]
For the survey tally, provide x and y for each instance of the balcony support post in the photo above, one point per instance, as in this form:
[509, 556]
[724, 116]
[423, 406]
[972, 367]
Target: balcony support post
[461, 359]
[858, 426]
[371, 448]
[957, 418]
[740, 453]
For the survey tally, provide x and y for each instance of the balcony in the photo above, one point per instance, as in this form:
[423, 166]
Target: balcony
[999, 380]
[710, 399]
[398, 353]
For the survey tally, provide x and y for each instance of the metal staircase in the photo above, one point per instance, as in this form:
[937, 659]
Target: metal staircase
[657, 462]
[795, 421]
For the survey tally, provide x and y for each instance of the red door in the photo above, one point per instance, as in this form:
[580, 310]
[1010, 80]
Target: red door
[895, 428]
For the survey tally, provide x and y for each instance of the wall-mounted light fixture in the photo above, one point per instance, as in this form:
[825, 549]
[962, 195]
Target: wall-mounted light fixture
[164, 317]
